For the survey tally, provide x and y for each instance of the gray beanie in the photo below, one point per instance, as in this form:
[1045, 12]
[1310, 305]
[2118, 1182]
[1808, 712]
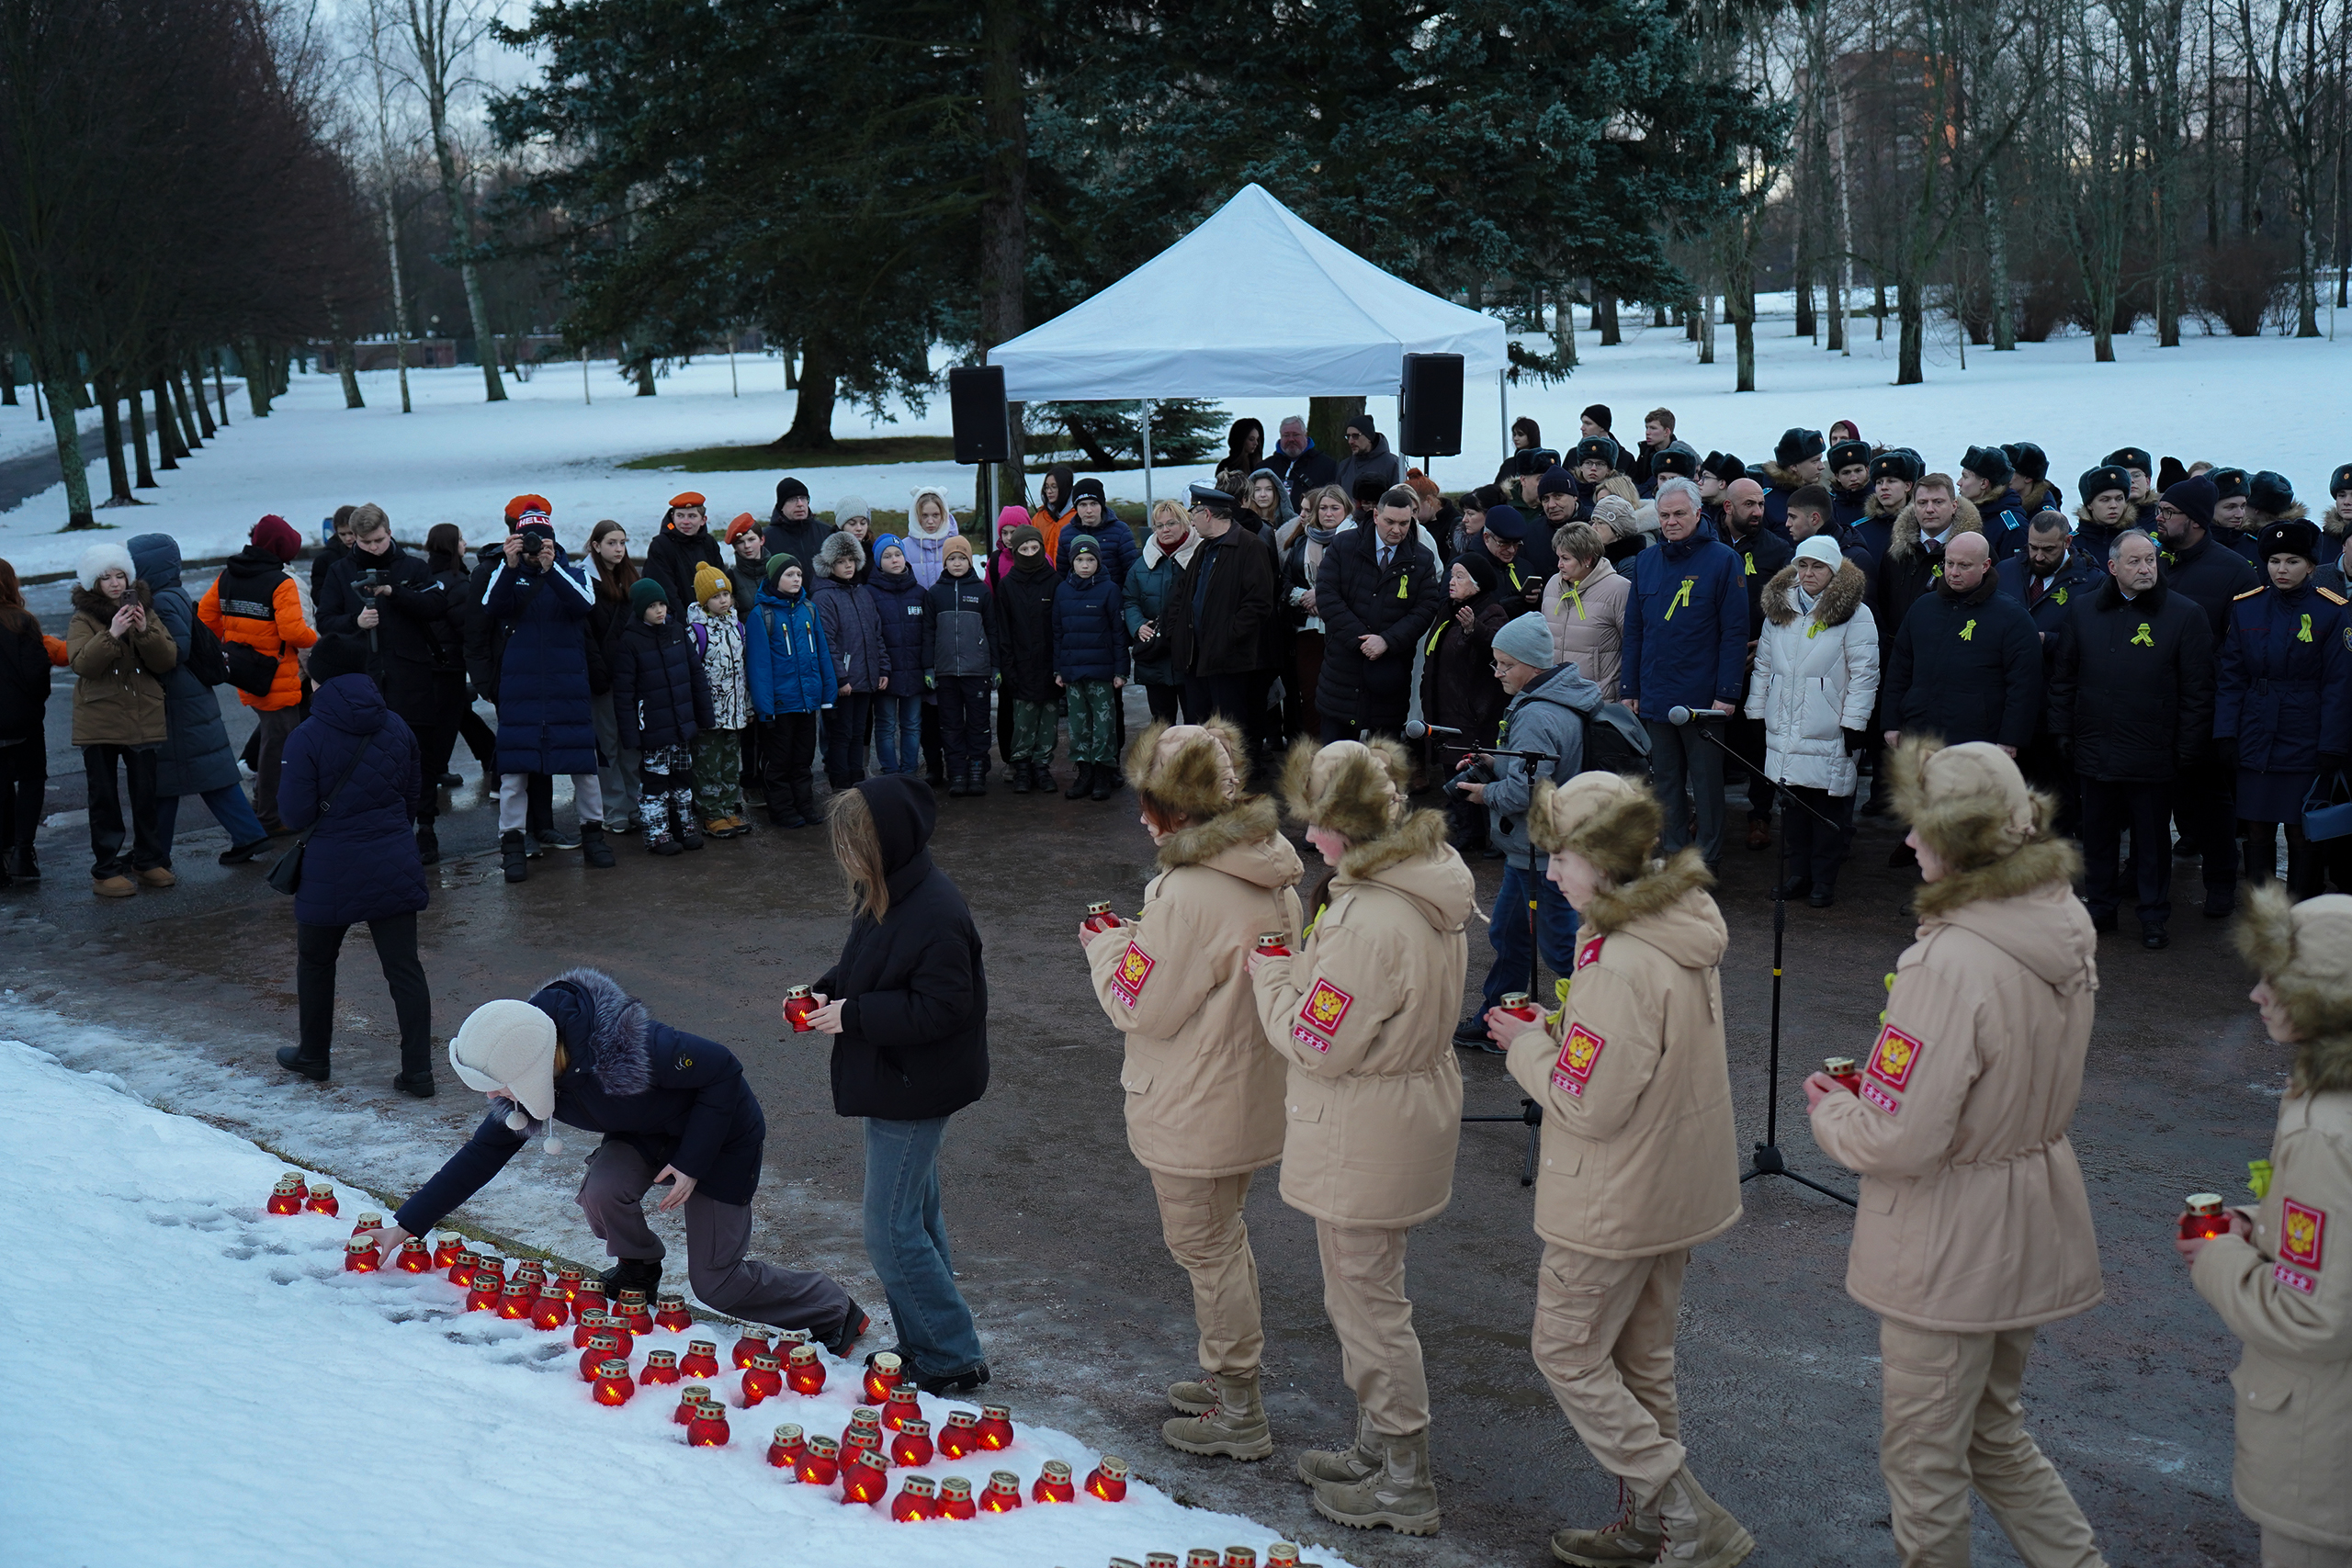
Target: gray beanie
[850, 506]
[1527, 639]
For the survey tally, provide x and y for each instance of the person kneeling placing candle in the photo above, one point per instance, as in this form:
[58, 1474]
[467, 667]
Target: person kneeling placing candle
[673, 1107]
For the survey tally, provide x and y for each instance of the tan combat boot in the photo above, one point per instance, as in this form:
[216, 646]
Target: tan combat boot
[1234, 1427]
[1343, 1466]
[1699, 1532]
[1634, 1536]
[1401, 1494]
[1194, 1398]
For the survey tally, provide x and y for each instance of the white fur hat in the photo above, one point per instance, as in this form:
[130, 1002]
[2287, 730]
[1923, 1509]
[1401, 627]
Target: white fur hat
[508, 1045]
[99, 559]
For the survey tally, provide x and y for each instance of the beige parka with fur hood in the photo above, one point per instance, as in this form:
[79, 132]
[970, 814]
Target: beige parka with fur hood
[1364, 1010]
[1639, 1154]
[1204, 1093]
[2287, 1291]
[1973, 1216]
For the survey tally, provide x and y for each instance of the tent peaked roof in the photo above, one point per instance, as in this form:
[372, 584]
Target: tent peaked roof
[1254, 302]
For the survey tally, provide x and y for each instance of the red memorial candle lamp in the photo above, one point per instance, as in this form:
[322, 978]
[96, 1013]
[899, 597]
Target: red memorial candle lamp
[415, 1257]
[1518, 1004]
[2203, 1217]
[1099, 916]
[996, 1427]
[1203, 1556]
[1054, 1485]
[1162, 1559]
[901, 1407]
[917, 1499]
[864, 1480]
[753, 1343]
[821, 1465]
[910, 1450]
[488, 1269]
[590, 1296]
[633, 1313]
[882, 1370]
[864, 1428]
[960, 1436]
[1842, 1068]
[359, 1255]
[445, 1250]
[1239, 1557]
[956, 1498]
[1108, 1480]
[701, 1360]
[761, 1380]
[370, 1220]
[690, 1399]
[661, 1367]
[603, 1346]
[486, 1291]
[461, 1268]
[1003, 1493]
[516, 1301]
[1273, 944]
[320, 1200]
[613, 1385]
[708, 1428]
[803, 1373]
[550, 1311]
[786, 1447]
[800, 1001]
[591, 1324]
[289, 1195]
[670, 1313]
[1283, 1554]
[567, 1284]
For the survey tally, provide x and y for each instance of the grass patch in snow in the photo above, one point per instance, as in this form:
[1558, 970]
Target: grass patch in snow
[764, 456]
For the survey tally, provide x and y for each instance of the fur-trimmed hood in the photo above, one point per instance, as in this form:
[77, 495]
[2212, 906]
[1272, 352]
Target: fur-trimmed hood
[1611, 821]
[616, 1031]
[1874, 507]
[98, 607]
[1244, 841]
[2296, 512]
[1834, 607]
[1972, 806]
[2036, 496]
[1783, 478]
[1200, 775]
[1965, 519]
[1357, 789]
[839, 546]
[1415, 862]
[2304, 950]
[1670, 897]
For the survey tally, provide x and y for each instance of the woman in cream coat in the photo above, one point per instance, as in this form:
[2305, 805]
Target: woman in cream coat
[1815, 683]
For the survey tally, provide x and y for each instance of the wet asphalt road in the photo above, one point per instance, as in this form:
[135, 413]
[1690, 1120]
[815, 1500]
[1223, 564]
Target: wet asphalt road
[1085, 1317]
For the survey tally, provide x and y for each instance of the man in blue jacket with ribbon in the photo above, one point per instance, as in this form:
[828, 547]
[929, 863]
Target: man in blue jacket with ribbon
[673, 1107]
[1686, 647]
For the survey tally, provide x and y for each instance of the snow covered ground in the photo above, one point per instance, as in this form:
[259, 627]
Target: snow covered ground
[197, 1381]
[2259, 402]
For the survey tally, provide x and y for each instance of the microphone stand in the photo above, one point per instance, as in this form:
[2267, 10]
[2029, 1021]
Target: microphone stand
[1768, 1160]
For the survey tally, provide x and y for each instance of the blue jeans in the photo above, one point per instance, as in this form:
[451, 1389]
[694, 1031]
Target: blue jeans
[898, 733]
[907, 1245]
[1556, 928]
[230, 809]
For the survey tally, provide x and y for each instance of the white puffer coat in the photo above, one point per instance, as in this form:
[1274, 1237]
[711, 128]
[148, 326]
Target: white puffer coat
[1817, 675]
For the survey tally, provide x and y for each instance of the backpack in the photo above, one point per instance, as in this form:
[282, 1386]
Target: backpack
[207, 660]
[1615, 742]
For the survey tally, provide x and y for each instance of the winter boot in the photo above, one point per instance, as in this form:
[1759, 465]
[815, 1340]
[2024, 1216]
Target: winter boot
[955, 783]
[420, 1084]
[804, 802]
[1400, 1494]
[1081, 781]
[1234, 1427]
[689, 826]
[26, 866]
[653, 817]
[1699, 1532]
[511, 850]
[838, 1339]
[1193, 1398]
[980, 778]
[1041, 776]
[1342, 1467]
[1634, 1536]
[632, 1274]
[592, 848]
[1020, 775]
[428, 844]
[315, 1069]
[1105, 781]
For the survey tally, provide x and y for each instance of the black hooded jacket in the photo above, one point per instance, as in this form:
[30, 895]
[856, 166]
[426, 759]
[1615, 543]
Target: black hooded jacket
[914, 1039]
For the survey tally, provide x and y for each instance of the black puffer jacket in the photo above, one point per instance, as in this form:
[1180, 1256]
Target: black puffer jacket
[659, 695]
[2132, 686]
[914, 1039]
[1024, 614]
[671, 559]
[25, 682]
[1965, 669]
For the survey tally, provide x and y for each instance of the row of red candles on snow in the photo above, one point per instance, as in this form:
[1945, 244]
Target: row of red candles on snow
[293, 1196]
[1280, 1554]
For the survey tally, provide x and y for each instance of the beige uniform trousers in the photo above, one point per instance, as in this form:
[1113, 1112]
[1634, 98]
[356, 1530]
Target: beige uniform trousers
[1200, 1218]
[1380, 1356]
[1953, 1420]
[2286, 1552]
[1604, 1340]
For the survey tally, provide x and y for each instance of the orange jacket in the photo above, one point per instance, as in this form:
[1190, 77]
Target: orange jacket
[56, 646]
[276, 628]
[1051, 527]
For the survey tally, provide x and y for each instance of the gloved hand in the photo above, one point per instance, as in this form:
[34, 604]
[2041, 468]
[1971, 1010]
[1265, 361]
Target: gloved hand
[2225, 750]
[929, 682]
[1856, 741]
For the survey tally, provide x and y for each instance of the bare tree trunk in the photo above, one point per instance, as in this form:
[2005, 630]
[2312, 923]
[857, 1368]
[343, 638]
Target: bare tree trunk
[1911, 350]
[1326, 422]
[7, 376]
[645, 387]
[257, 379]
[1997, 264]
[68, 435]
[195, 374]
[399, 296]
[461, 231]
[1564, 327]
[1604, 320]
[1706, 327]
[138, 438]
[191, 442]
[118, 475]
[168, 449]
[219, 389]
[812, 412]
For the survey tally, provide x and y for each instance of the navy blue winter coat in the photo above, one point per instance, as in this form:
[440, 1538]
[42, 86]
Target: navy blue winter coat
[853, 623]
[676, 1098]
[900, 602]
[1114, 541]
[2004, 519]
[1089, 629]
[1686, 625]
[195, 756]
[659, 697]
[547, 723]
[360, 861]
[2079, 578]
[784, 656]
[2285, 687]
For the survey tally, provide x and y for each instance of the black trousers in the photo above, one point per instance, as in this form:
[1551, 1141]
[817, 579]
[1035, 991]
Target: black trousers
[2111, 805]
[1815, 848]
[753, 776]
[788, 748]
[1167, 703]
[963, 718]
[2045, 767]
[2205, 799]
[315, 948]
[934, 743]
[434, 744]
[480, 739]
[106, 828]
[24, 780]
[1226, 695]
[1745, 738]
[845, 730]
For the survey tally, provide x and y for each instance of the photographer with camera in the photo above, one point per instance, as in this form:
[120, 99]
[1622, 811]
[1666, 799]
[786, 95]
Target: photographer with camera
[394, 601]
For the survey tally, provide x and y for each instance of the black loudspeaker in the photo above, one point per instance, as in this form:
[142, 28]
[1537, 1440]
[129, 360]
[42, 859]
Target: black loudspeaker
[984, 427]
[1429, 406]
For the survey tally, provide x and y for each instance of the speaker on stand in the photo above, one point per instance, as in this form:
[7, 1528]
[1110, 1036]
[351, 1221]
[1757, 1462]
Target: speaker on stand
[1428, 405]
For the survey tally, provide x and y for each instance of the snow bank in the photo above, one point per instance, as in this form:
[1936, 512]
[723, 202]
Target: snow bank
[197, 1382]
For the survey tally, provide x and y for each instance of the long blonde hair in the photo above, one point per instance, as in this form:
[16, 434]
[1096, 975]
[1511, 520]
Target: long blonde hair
[857, 847]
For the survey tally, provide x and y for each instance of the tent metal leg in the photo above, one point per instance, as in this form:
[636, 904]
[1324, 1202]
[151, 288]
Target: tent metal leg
[1147, 462]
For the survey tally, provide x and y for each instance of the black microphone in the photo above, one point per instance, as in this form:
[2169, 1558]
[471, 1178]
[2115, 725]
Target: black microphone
[1415, 729]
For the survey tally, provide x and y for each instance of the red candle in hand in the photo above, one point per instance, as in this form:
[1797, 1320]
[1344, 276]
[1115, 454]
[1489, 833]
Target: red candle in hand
[917, 1499]
[798, 1003]
[910, 1450]
[1842, 1068]
[753, 1343]
[1273, 944]
[550, 1311]
[1108, 1480]
[671, 1312]
[901, 1407]
[415, 1257]
[955, 1498]
[1518, 1004]
[2204, 1217]
[359, 1255]
[820, 1465]
[996, 1427]
[321, 1201]
[960, 1436]
[862, 1479]
[447, 1250]
[761, 1380]
[786, 1447]
[690, 1399]
[1003, 1494]
[371, 1220]
[1099, 916]
[803, 1373]
[701, 1360]
[882, 1370]
[1054, 1485]
[603, 1346]
[516, 1301]
[613, 1385]
[289, 1196]
[708, 1428]
[661, 1367]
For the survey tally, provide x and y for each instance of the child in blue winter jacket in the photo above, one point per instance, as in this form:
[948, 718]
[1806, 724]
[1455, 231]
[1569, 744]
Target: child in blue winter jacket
[1090, 664]
[791, 675]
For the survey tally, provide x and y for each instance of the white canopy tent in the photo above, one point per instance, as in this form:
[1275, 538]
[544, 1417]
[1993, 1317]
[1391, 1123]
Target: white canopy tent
[1255, 302]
